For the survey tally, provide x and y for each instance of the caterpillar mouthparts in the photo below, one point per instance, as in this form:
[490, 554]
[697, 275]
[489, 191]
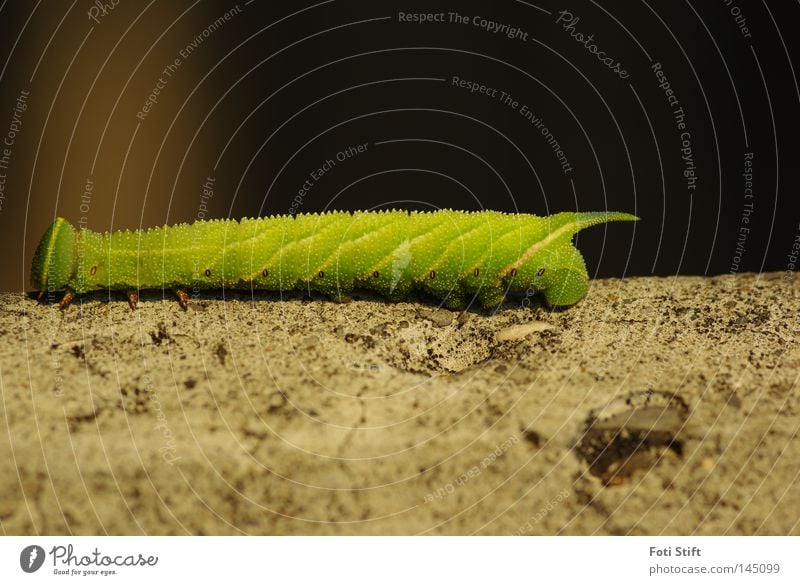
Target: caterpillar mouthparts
[452, 255]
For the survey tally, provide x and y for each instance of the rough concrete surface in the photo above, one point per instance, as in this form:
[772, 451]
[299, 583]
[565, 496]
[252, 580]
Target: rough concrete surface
[654, 406]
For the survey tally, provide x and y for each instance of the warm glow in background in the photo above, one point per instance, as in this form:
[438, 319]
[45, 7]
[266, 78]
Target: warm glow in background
[267, 96]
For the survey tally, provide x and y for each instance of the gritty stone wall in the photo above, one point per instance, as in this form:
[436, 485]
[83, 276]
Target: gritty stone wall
[653, 406]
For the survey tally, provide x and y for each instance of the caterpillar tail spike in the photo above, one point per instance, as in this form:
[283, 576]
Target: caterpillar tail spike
[454, 256]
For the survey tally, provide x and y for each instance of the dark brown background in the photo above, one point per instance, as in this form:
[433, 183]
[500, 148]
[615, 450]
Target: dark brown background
[283, 86]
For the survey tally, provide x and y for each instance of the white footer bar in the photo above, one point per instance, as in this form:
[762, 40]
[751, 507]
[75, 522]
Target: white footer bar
[355, 560]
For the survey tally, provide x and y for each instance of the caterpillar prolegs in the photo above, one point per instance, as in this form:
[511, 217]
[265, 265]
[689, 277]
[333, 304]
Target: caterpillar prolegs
[456, 256]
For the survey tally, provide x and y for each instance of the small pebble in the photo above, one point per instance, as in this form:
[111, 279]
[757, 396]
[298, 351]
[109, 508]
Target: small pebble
[439, 317]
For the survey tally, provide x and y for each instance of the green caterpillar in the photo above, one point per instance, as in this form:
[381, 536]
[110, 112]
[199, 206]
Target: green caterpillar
[452, 255]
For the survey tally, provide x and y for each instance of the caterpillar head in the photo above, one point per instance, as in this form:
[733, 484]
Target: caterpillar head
[55, 259]
[563, 278]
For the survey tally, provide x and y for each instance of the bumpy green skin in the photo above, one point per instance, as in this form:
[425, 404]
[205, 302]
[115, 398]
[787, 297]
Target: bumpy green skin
[453, 255]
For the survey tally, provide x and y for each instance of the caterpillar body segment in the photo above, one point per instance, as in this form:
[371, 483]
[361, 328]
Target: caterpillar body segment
[454, 256]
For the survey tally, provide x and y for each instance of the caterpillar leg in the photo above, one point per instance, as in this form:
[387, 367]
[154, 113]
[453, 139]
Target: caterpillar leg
[68, 297]
[491, 296]
[133, 299]
[183, 298]
[340, 297]
[456, 302]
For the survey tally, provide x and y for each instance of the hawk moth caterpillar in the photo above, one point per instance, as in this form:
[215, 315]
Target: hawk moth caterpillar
[452, 255]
